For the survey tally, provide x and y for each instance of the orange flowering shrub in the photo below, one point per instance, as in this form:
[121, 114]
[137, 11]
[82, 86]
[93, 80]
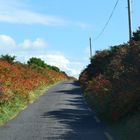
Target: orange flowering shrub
[112, 80]
[18, 80]
[121, 104]
[100, 85]
[100, 90]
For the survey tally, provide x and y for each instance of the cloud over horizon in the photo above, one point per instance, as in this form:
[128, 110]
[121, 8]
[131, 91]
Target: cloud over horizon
[38, 48]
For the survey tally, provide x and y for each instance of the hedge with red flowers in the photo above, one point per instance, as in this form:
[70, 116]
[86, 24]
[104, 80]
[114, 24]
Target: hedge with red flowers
[18, 80]
[112, 80]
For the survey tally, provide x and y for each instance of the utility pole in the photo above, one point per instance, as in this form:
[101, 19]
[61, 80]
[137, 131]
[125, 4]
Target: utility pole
[90, 47]
[129, 21]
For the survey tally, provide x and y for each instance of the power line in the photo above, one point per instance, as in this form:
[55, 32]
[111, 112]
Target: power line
[102, 31]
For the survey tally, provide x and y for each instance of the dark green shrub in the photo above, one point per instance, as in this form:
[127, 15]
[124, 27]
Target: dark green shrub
[36, 62]
[136, 35]
[8, 58]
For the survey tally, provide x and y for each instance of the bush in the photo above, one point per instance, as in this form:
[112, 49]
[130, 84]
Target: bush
[136, 35]
[100, 91]
[36, 62]
[21, 84]
[112, 80]
[8, 58]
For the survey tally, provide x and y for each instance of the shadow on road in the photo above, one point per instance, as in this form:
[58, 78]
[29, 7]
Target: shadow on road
[79, 121]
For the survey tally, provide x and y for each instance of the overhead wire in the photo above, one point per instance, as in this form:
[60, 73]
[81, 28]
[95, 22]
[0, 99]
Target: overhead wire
[106, 24]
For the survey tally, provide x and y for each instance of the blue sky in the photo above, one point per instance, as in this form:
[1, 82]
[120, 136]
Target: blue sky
[58, 31]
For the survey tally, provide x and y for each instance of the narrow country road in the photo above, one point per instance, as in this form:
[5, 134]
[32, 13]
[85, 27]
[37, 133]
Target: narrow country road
[60, 114]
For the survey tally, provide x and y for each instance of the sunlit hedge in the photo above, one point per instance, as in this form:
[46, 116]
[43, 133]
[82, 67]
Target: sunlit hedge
[112, 80]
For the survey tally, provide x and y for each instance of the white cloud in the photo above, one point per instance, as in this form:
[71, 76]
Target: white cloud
[36, 44]
[57, 59]
[39, 43]
[9, 45]
[14, 15]
[17, 12]
[29, 17]
[6, 41]
[38, 48]
[28, 47]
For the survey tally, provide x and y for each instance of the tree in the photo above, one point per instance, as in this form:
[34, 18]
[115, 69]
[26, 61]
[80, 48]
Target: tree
[8, 58]
[36, 62]
[53, 68]
[136, 35]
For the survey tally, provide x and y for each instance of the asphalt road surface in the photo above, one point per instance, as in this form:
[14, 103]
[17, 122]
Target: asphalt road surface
[60, 114]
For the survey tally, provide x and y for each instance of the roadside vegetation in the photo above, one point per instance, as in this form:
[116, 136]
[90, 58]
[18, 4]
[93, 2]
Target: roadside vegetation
[21, 84]
[112, 87]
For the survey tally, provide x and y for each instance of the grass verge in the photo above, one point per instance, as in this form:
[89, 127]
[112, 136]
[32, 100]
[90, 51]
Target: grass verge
[127, 128]
[10, 110]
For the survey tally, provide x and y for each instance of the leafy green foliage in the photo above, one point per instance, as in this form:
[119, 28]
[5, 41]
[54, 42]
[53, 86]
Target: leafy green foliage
[53, 68]
[136, 35]
[8, 58]
[36, 62]
[39, 64]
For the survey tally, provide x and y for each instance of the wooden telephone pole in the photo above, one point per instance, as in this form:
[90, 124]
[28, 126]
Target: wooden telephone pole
[90, 47]
[129, 21]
